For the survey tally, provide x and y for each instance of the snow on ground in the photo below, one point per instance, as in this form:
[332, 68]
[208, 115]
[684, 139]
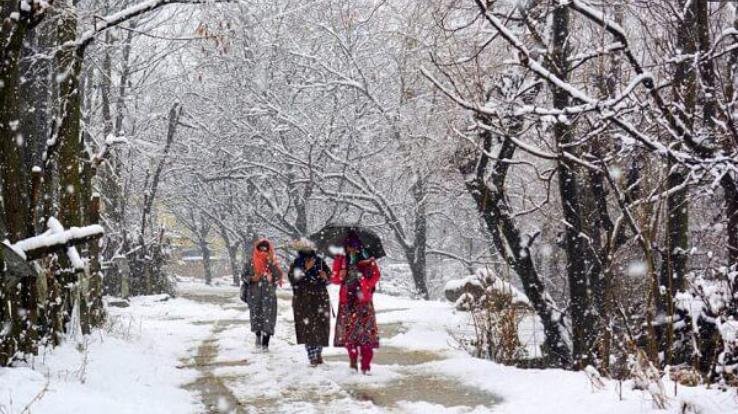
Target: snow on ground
[557, 391]
[194, 354]
[431, 326]
[130, 366]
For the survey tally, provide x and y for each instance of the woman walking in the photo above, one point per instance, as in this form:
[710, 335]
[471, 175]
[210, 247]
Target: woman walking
[263, 274]
[309, 275]
[356, 325]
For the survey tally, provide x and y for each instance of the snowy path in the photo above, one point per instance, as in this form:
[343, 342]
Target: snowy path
[195, 354]
[235, 378]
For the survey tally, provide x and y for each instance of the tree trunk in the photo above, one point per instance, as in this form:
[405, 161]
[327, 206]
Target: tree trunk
[97, 309]
[55, 299]
[601, 276]
[207, 266]
[301, 210]
[232, 250]
[13, 174]
[599, 280]
[235, 268]
[576, 267]
[731, 214]
[112, 169]
[36, 110]
[418, 264]
[418, 271]
[729, 181]
[492, 205]
[4, 317]
[87, 178]
[69, 67]
[174, 114]
[672, 273]
[708, 329]
[30, 134]
[70, 145]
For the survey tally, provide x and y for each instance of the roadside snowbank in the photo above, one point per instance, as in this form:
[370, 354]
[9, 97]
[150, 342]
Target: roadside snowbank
[433, 325]
[130, 366]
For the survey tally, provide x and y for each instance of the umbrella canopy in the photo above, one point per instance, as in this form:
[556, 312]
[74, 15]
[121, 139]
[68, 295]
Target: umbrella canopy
[333, 235]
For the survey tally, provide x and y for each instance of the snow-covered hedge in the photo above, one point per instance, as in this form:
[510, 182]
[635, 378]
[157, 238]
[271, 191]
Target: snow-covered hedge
[463, 291]
[707, 311]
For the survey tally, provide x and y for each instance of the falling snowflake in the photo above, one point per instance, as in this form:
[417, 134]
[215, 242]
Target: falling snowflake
[636, 269]
[616, 173]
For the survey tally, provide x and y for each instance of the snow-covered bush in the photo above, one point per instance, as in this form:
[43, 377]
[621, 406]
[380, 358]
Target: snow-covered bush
[705, 324]
[464, 292]
[647, 377]
[496, 309]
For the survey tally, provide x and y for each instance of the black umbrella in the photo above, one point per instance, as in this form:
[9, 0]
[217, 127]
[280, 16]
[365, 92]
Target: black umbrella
[333, 235]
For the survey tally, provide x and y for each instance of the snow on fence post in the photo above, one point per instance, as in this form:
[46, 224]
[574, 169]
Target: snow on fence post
[58, 240]
[55, 240]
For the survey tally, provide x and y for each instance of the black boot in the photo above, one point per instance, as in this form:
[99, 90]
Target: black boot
[265, 341]
[258, 340]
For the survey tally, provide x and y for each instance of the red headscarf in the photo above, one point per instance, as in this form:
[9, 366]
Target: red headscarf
[260, 260]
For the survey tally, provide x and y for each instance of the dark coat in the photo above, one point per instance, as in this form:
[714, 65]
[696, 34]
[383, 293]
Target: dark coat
[310, 303]
[261, 298]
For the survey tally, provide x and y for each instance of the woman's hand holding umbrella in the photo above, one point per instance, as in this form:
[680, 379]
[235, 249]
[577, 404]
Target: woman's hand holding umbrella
[310, 263]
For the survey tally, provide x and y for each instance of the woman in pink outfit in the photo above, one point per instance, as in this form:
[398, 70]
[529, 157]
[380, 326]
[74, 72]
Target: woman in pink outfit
[356, 324]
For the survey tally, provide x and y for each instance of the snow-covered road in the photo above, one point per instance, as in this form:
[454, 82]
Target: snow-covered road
[195, 354]
[237, 378]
